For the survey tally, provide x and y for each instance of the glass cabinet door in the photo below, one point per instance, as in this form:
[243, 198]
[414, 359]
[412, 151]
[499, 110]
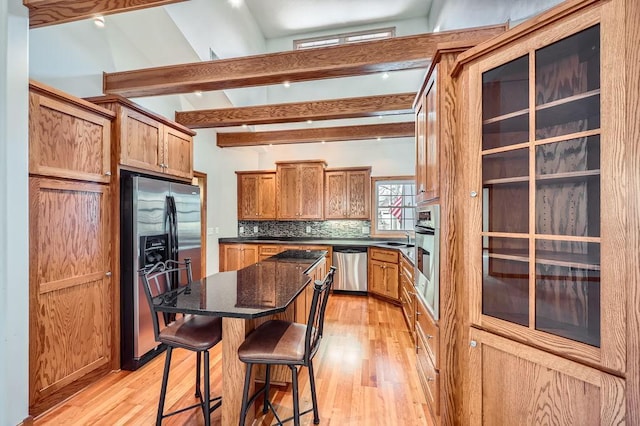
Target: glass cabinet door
[540, 162]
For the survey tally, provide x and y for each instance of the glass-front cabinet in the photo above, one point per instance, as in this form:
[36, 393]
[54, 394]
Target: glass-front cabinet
[539, 274]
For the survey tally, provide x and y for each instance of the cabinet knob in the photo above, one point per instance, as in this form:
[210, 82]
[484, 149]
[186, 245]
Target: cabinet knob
[429, 336]
[430, 379]
[473, 194]
[473, 343]
[108, 274]
[418, 314]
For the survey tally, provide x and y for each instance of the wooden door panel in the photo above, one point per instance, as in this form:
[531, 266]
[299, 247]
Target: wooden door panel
[67, 141]
[287, 205]
[335, 203]
[513, 383]
[311, 191]
[267, 196]
[141, 141]
[70, 292]
[247, 197]
[421, 150]
[432, 169]
[358, 194]
[178, 153]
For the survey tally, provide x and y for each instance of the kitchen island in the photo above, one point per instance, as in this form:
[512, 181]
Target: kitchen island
[244, 299]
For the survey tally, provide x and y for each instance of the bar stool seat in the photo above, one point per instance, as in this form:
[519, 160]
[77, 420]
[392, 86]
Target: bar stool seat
[278, 341]
[193, 332]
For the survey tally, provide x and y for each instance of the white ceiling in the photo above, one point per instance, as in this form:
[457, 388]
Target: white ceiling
[280, 18]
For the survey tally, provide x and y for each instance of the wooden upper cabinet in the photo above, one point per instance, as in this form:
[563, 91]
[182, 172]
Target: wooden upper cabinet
[427, 138]
[256, 195]
[300, 189]
[347, 193]
[148, 142]
[68, 137]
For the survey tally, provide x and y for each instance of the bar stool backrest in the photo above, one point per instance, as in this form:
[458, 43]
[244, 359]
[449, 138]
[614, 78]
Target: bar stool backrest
[160, 279]
[315, 324]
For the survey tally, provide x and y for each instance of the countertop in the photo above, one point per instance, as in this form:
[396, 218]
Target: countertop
[408, 252]
[264, 288]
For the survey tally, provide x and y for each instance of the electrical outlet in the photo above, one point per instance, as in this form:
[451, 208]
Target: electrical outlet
[209, 231]
[308, 229]
[217, 230]
[365, 229]
[242, 229]
[255, 229]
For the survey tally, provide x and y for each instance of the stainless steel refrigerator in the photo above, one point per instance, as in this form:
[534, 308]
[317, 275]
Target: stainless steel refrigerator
[159, 220]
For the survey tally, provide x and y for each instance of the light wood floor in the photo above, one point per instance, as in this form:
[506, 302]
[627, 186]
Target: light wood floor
[365, 375]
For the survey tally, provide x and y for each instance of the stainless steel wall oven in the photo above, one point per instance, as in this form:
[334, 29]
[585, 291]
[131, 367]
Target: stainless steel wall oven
[428, 256]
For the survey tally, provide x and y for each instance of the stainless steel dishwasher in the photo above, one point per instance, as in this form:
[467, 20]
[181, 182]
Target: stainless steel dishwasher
[351, 275]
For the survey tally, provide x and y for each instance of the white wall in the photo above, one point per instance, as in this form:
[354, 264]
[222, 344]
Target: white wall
[14, 213]
[391, 157]
[222, 198]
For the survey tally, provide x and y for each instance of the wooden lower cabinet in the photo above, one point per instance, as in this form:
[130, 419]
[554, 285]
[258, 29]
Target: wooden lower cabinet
[266, 251]
[515, 384]
[70, 288]
[383, 274]
[428, 357]
[407, 294]
[237, 256]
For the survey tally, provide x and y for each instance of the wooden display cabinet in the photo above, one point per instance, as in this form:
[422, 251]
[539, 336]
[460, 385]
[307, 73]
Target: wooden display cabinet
[347, 193]
[428, 136]
[300, 190]
[256, 195]
[551, 262]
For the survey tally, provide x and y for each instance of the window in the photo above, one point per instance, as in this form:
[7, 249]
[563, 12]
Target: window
[394, 204]
[336, 39]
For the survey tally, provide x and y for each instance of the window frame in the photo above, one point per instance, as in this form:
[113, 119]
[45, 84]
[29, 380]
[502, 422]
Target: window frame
[374, 205]
[344, 38]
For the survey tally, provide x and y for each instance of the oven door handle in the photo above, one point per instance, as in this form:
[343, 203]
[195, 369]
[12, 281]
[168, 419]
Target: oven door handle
[424, 230]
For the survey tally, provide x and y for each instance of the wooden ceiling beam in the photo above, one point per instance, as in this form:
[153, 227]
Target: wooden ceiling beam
[367, 106]
[51, 12]
[399, 53]
[327, 134]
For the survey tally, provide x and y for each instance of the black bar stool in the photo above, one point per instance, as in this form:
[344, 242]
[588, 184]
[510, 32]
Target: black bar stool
[287, 343]
[192, 332]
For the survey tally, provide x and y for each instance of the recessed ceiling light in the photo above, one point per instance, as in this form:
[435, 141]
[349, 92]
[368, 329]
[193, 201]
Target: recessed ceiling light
[244, 126]
[309, 121]
[286, 84]
[385, 75]
[380, 117]
[323, 141]
[378, 138]
[198, 93]
[98, 21]
[235, 3]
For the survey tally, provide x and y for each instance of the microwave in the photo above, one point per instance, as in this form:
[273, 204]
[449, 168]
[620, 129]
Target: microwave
[427, 257]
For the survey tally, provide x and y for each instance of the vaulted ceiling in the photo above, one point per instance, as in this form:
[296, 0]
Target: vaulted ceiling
[325, 84]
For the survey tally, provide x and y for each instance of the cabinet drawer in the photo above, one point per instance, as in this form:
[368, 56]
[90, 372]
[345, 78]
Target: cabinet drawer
[383, 255]
[408, 309]
[427, 332]
[430, 380]
[406, 268]
[270, 250]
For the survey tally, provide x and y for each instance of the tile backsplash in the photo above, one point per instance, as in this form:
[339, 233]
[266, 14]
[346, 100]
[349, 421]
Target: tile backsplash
[327, 228]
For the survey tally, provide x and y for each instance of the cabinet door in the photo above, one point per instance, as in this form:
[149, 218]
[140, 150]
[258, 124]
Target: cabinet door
[358, 194]
[514, 384]
[545, 260]
[392, 287]
[70, 288]
[421, 150]
[335, 201]
[377, 277]
[287, 191]
[267, 196]
[141, 141]
[249, 255]
[248, 198]
[67, 141]
[177, 157]
[432, 132]
[311, 190]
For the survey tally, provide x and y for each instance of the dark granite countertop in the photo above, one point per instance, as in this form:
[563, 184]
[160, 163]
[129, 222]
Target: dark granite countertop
[264, 288]
[408, 252]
